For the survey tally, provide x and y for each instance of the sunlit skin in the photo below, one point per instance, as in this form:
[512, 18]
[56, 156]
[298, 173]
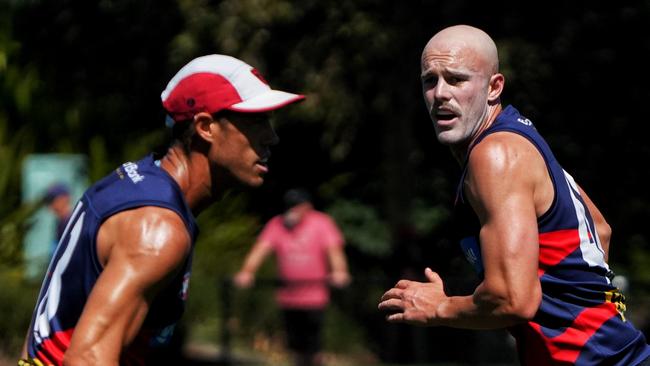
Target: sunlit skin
[141, 249]
[461, 85]
[507, 184]
[236, 152]
[243, 148]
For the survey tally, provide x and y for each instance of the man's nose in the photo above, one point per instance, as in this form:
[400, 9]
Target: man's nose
[271, 138]
[441, 90]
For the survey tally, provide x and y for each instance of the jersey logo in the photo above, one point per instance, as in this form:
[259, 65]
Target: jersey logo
[524, 121]
[131, 170]
[472, 252]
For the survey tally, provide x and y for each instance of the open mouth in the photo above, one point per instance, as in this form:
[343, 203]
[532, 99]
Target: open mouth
[263, 164]
[444, 115]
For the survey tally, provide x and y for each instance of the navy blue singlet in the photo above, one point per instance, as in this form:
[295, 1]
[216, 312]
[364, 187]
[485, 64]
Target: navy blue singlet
[75, 267]
[580, 320]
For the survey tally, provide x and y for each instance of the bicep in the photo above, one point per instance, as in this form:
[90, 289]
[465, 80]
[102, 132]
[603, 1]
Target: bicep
[501, 190]
[147, 248]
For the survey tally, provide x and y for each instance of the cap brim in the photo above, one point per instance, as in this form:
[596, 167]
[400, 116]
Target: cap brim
[268, 101]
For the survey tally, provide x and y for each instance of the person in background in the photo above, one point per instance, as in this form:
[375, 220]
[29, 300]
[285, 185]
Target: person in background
[536, 240]
[57, 199]
[308, 248]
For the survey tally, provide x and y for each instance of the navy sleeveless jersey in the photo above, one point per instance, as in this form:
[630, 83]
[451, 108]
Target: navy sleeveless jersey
[580, 320]
[75, 267]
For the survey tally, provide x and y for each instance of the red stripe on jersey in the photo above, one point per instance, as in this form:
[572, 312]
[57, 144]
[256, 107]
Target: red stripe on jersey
[44, 360]
[566, 347]
[52, 349]
[554, 246]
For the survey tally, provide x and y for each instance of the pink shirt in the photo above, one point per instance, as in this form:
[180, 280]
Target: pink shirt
[301, 255]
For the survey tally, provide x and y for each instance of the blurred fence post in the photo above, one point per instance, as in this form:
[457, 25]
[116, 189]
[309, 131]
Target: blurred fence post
[226, 336]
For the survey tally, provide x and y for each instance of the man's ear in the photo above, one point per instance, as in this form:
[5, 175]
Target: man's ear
[497, 82]
[203, 122]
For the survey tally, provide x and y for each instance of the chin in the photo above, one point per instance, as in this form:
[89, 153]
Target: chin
[255, 182]
[445, 140]
[448, 138]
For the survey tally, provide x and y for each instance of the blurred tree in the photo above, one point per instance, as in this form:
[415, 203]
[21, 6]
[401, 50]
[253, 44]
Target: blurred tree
[17, 85]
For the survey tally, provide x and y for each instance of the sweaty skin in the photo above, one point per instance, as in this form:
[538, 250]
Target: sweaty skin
[140, 249]
[507, 185]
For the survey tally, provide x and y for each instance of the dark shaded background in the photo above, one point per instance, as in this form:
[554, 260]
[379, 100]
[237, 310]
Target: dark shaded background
[85, 76]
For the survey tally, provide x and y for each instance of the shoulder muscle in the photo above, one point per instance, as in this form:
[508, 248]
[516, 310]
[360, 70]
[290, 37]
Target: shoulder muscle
[506, 166]
[146, 236]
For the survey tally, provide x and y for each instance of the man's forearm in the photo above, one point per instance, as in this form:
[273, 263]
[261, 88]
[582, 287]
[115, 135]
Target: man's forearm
[483, 310]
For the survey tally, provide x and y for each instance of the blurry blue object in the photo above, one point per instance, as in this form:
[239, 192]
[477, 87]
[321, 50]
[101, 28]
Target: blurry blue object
[55, 191]
[45, 177]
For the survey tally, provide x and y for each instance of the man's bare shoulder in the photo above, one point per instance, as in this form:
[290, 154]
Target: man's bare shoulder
[504, 152]
[505, 167]
[148, 233]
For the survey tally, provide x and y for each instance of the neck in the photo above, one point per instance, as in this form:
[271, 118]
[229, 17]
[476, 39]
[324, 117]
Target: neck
[192, 173]
[461, 151]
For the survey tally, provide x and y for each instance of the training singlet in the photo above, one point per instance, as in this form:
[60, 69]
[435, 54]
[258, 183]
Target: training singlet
[75, 267]
[580, 320]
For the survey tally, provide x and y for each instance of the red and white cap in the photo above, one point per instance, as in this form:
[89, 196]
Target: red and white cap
[216, 82]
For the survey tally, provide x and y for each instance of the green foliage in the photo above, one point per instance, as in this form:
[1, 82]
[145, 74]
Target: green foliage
[16, 304]
[362, 227]
[226, 235]
[427, 219]
[16, 89]
[13, 227]
[639, 257]
[342, 333]
[15, 144]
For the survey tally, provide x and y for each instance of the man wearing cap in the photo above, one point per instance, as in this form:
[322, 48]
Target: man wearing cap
[118, 280]
[308, 247]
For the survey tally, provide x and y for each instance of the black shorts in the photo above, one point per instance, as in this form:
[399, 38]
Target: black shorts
[303, 328]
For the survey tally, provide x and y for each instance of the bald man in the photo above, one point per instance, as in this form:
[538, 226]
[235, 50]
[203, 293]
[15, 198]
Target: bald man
[536, 240]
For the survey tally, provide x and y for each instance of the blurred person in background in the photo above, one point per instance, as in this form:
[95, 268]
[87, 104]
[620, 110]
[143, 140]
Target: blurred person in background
[57, 199]
[118, 280]
[308, 248]
[536, 240]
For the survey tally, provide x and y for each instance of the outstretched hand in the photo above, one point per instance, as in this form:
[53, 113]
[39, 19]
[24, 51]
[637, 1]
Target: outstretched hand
[244, 279]
[339, 279]
[414, 302]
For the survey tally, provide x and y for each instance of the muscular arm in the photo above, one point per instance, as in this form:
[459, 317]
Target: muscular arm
[504, 174]
[141, 250]
[602, 227]
[508, 186]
